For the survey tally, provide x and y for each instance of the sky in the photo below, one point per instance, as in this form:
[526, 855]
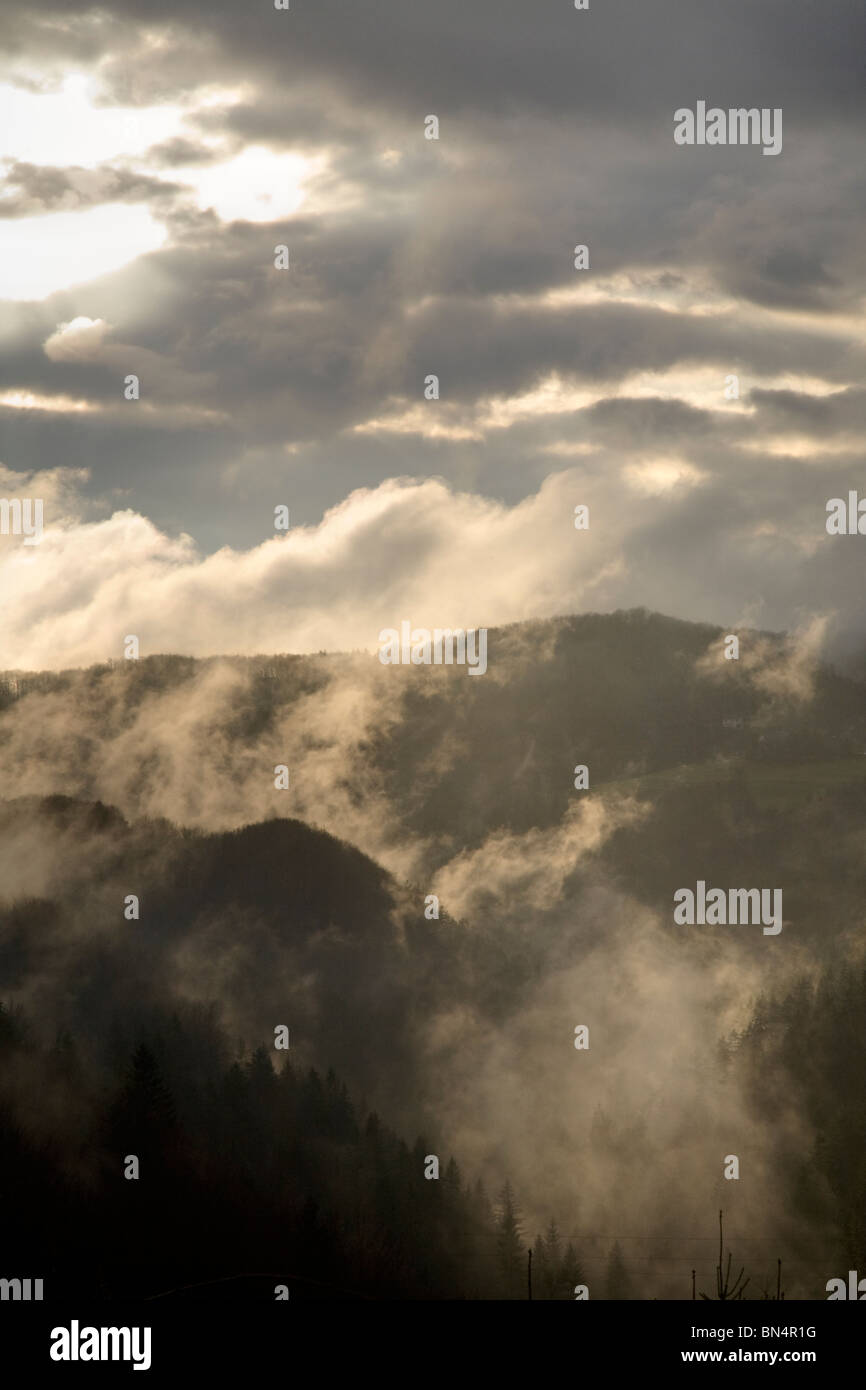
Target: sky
[152, 162]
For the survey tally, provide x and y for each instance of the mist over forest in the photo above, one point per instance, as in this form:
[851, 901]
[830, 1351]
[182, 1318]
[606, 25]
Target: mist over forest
[445, 1031]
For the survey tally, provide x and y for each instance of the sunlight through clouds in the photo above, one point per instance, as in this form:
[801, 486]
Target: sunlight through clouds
[255, 186]
[67, 127]
[40, 255]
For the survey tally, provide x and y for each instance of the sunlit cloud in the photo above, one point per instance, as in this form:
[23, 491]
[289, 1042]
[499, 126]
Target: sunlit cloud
[29, 400]
[804, 445]
[700, 387]
[76, 341]
[430, 422]
[655, 477]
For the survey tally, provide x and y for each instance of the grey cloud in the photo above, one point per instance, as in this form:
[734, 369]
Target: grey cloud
[39, 189]
[180, 151]
[500, 56]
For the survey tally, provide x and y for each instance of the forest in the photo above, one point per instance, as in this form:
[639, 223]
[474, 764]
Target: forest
[163, 911]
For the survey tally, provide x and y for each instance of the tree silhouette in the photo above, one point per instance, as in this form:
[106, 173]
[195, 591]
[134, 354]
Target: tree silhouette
[509, 1244]
[618, 1284]
[725, 1290]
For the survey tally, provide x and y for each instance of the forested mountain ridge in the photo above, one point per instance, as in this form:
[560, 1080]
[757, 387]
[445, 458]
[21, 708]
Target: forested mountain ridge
[629, 694]
[431, 907]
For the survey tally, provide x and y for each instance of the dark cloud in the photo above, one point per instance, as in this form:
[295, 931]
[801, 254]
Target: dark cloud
[617, 57]
[171, 154]
[37, 189]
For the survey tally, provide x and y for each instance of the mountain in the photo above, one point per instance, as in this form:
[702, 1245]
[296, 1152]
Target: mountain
[433, 909]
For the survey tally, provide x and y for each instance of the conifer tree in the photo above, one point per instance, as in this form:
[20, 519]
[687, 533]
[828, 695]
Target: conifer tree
[509, 1245]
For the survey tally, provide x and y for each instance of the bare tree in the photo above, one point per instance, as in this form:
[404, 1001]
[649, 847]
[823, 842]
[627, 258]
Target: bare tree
[725, 1290]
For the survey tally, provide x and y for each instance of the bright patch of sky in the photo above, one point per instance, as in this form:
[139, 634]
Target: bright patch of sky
[256, 186]
[41, 255]
[66, 127]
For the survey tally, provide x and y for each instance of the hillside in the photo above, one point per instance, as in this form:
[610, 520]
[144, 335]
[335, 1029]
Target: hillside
[310, 907]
